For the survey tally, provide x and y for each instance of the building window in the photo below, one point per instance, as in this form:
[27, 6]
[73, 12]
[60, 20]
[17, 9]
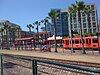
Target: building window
[93, 18]
[71, 20]
[90, 30]
[85, 30]
[83, 14]
[75, 30]
[84, 25]
[58, 22]
[94, 30]
[74, 19]
[84, 19]
[93, 13]
[89, 24]
[94, 24]
[75, 25]
[92, 7]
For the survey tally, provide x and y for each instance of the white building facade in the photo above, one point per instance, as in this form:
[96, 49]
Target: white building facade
[89, 25]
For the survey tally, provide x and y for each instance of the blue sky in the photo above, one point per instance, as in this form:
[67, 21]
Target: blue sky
[23, 12]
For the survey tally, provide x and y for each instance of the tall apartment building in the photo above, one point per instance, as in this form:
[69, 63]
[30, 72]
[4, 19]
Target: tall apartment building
[88, 24]
[99, 24]
[61, 23]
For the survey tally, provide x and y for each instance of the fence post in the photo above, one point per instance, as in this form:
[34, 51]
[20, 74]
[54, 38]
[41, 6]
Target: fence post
[34, 67]
[1, 65]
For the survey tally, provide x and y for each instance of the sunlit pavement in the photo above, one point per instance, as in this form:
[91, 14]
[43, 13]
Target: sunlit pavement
[92, 57]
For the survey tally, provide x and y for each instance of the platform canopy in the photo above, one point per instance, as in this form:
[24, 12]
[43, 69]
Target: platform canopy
[52, 38]
[27, 38]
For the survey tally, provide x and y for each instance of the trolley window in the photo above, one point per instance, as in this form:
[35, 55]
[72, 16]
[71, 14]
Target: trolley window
[76, 41]
[95, 40]
[88, 41]
[67, 42]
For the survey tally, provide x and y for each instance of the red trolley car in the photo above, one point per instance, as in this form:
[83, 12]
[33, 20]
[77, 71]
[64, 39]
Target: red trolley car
[90, 42]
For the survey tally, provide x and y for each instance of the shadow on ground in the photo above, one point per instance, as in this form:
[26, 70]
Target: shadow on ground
[8, 65]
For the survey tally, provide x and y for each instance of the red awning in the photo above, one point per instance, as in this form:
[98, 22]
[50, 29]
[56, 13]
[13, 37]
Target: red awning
[28, 38]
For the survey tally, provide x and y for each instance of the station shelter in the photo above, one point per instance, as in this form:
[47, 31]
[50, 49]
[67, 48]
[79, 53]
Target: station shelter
[51, 40]
[24, 43]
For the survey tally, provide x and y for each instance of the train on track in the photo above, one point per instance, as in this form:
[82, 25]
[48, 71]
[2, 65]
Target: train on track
[90, 42]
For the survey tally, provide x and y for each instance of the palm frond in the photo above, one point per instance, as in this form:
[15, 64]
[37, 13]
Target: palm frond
[53, 14]
[79, 5]
[36, 22]
[87, 10]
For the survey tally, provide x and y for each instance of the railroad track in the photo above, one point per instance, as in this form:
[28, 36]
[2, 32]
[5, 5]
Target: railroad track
[43, 67]
[80, 63]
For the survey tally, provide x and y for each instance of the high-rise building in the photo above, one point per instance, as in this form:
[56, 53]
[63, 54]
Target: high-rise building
[99, 24]
[61, 23]
[89, 24]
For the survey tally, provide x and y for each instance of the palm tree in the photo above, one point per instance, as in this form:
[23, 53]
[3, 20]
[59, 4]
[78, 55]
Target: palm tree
[53, 14]
[37, 23]
[1, 31]
[13, 31]
[30, 27]
[79, 7]
[7, 27]
[71, 11]
[18, 29]
[45, 21]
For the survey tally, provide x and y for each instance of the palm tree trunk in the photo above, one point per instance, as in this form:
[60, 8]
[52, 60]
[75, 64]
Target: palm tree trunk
[30, 30]
[45, 31]
[55, 33]
[7, 39]
[46, 36]
[37, 36]
[70, 26]
[81, 36]
[1, 40]
[34, 44]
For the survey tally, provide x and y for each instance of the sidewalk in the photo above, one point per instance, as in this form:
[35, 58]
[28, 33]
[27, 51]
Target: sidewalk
[56, 56]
